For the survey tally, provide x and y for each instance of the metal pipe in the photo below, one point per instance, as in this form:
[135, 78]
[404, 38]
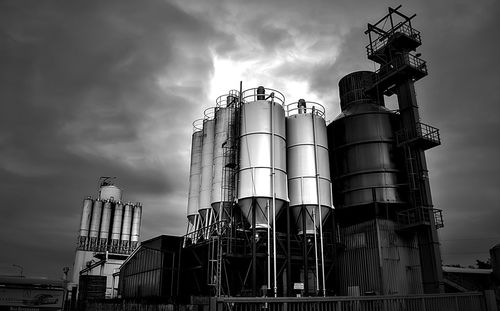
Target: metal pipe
[319, 209]
[268, 248]
[315, 250]
[274, 196]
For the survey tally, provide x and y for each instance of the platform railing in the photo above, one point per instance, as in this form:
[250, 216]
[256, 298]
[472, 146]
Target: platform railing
[457, 302]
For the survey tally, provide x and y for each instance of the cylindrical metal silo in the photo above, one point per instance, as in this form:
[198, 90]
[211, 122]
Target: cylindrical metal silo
[262, 169]
[126, 226]
[136, 226]
[362, 147]
[308, 165]
[86, 217]
[105, 224]
[194, 177]
[224, 123]
[117, 226]
[95, 223]
[110, 192]
[207, 152]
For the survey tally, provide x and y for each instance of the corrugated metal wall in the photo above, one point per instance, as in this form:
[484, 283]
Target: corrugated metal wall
[377, 259]
[141, 276]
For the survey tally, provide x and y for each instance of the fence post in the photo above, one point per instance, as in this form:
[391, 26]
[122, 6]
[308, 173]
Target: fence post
[490, 300]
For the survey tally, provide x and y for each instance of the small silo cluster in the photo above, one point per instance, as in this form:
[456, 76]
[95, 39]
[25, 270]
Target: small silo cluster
[108, 224]
[109, 232]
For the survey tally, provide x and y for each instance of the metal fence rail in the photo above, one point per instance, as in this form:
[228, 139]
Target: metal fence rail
[441, 302]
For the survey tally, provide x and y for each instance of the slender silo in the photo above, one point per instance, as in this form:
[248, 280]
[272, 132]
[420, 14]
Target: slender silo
[105, 224]
[309, 177]
[95, 223]
[110, 192]
[195, 177]
[117, 226]
[224, 126]
[136, 226]
[126, 227]
[207, 152]
[309, 181]
[85, 222]
[262, 170]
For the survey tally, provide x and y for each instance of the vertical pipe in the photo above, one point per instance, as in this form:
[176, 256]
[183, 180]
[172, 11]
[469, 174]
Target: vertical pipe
[268, 249]
[274, 196]
[315, 250]
[319, 206]
[254, 252]
[304, 251]
[288, 260]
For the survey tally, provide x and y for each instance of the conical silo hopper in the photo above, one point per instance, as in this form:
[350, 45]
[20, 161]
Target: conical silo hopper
[223, 156]
[194, 177]
[309, 181]
[262, 163]
[207, 152]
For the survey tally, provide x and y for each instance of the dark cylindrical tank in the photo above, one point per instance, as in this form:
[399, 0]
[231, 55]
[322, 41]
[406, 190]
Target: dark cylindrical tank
[362, 146]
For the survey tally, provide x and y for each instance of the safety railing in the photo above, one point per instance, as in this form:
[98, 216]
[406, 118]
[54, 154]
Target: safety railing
[228, 100]
[420, 215]
[305, 107]
[456, 302]
[401, 62]
[422, 132]
[253, 95]
[403, 28]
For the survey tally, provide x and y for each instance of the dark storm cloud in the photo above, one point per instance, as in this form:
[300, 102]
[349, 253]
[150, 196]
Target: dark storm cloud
[91, 89]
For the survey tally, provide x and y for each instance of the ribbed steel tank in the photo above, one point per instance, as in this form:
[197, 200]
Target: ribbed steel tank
[136, 225]
[195, 175]
[117, 225]
[96, 219]
[262, 155]
[86, 217]
[207, 152]
[362, 146]
[224, 126]
[126, 224]
[110, 192]
[308, 165]
[105, 221]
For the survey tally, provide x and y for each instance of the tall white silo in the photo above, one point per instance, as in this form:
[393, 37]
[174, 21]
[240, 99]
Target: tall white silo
[309, 180]
[207, 151]
[223, 177]
[95, 223]
[262, 182]
[136, 226]
[85, 222]
[195, 177]
[105, 225]
[116, 227]
[126, 227]
[110, 192]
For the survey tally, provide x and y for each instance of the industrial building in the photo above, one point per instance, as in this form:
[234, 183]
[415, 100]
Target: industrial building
[282, 204]
[109, 232]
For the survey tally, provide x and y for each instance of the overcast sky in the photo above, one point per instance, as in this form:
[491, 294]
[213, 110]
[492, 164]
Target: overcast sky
[110, 88]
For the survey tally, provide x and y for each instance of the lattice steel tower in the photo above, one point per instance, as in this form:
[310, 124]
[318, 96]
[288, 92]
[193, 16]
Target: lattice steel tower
[392, 44]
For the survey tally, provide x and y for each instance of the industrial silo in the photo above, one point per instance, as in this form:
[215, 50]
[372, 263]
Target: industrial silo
[309, 180]
[195, 177]
[207, 151]
[85, 222]
[126, 227]
[117, 226]
[362, 144]
[222, 156]
[262, 182]
[95, 223]
[136, 226]
[366, 167]
[308, 165]
[105, 225]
